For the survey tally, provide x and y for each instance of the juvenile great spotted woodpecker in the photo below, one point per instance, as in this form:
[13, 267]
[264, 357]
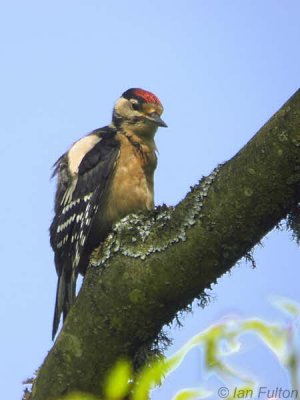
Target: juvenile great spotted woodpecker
[104, 176]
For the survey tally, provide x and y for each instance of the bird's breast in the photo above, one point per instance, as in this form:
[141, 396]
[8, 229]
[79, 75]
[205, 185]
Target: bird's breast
[132, 184]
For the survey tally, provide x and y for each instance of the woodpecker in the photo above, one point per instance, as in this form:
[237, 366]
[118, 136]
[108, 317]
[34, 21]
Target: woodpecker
[103, 177]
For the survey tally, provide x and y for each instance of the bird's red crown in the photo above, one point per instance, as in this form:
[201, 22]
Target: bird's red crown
[142, 94]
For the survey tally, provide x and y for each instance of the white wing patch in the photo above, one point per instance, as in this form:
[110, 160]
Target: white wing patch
[75, 156]
[79, 150]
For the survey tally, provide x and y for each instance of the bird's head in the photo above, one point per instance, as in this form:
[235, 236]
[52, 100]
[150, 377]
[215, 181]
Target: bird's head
[139, 112]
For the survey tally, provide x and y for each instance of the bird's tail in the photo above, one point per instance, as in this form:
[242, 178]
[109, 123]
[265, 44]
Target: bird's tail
[65, 297]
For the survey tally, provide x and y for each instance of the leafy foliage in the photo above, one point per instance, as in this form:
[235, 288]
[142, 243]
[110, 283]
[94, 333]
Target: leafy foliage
[281, 339]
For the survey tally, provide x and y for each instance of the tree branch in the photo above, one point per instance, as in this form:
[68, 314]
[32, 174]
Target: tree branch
[153, 266]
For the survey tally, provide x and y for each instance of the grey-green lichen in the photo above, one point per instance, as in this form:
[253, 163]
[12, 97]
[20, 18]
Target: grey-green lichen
[150, 234]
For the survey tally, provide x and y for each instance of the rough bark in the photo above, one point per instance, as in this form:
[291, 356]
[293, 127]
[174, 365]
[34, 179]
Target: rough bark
[153, 266]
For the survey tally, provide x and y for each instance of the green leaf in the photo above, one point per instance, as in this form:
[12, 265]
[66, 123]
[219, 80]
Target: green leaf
[292, 308]
[118, 382]
[192, 394]
[149, 377]
[274, 336]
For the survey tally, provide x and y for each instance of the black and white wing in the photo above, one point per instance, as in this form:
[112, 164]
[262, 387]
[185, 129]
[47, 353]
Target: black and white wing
[84, 176]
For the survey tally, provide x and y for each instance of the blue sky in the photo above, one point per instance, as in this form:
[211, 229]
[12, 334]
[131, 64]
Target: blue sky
[221, 69]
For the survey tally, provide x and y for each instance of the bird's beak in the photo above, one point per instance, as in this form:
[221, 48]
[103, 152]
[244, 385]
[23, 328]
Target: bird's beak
[157, 120]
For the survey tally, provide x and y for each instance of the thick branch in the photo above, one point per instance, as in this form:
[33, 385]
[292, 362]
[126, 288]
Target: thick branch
[152, 267]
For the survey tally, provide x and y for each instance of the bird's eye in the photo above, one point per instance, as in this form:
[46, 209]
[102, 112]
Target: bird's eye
[135, 105]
